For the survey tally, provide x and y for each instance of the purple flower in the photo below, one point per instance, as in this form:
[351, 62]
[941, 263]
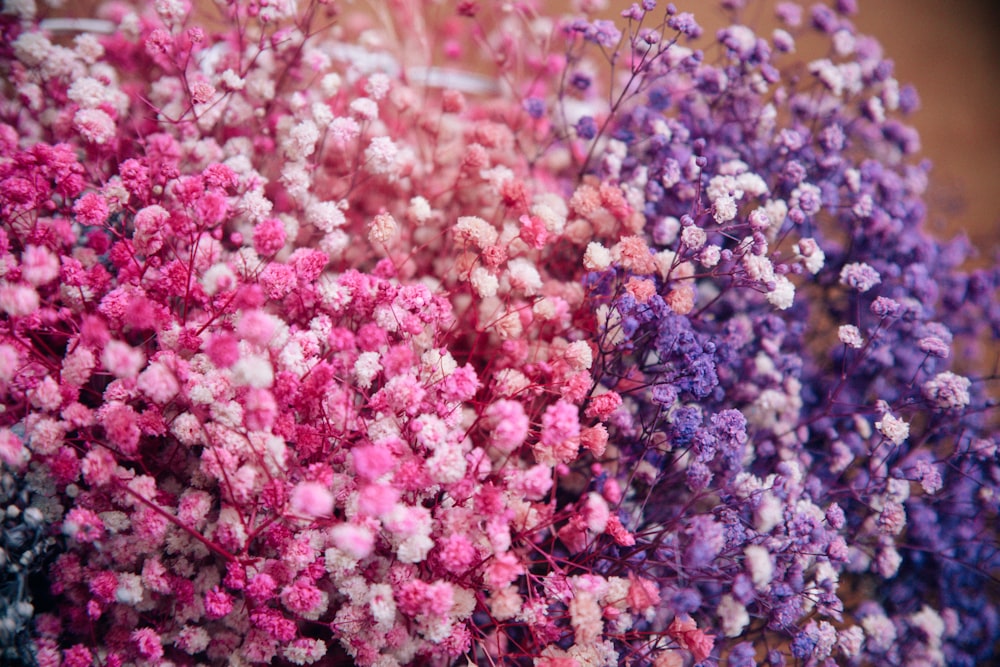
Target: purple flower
[685, 24]
[586, 127]
[535, 107]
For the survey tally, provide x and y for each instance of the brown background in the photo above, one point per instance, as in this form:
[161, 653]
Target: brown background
[950, 50]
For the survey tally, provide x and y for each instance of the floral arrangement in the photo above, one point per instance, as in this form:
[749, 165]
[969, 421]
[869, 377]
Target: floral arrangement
[465, 334]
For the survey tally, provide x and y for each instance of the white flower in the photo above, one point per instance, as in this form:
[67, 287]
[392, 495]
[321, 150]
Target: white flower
[475, 230]
[484, 282]
[364, 108]
[524, 276]
[850, 335]
[218, 277]
[947, 390]
[759, 565]
[366, 368]
[579, 355]
[811, 255]
[724, 209]
[301, 141]
[232, 81]
[733, 615]
[893, 428]
[256, 205]
[381, 229]
[693, 237]
[829, 74]
[596, 257]
[419, 210]
[783, 294]
[382, 156]
[325, 215]
[254, 371]
[31, 48]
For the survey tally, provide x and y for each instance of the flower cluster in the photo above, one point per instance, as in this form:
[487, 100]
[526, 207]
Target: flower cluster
[316, 345]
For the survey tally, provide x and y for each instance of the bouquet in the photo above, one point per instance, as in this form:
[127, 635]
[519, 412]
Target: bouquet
[462, 333]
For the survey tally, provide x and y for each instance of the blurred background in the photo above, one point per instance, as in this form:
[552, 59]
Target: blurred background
[950, 50]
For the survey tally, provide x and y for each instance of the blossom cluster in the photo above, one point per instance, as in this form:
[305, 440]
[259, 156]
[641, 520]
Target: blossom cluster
[318, 345]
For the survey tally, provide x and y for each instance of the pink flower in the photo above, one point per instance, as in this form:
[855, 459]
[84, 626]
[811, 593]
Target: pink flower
[643, 594]
[602, 405]
[12, 451]
[269, 236]
[355, 540]
[91, 209]
[509, 425]
[372, 461]
[278, 280]
[39, 266]
[122, 360]
[158, 383]
[18, 300]
[377, 499]
[618, 532]
[635, 256]
[457, 553]
[256, 326]
[202, 92]
[77, 655]
[533, 231]
[103, 586]
[273, 623]
[150, 228]
[121, 425]
[687, 634]
[595, 439]
[94, 125]
[148, 643]
[503, 569]
[223, 349]
[261, 409]
[218, 603]
[83, 525]
[535, 482]
[641, 290]
[261, 588]
[560, 438]
[311, 499]
[681, 299]
[98, 466]
[303, 598]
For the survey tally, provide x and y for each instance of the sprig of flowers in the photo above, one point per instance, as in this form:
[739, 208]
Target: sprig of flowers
[314, 346]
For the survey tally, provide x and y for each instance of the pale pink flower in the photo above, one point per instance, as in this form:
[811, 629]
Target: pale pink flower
[122, 360]
[509, 424]
[503, 569]
[158, 383]
[95, 126]
[353, 539]
[83, 525]
[311, 499]
[39, 266]
[579, 355]
[381, 229]
[12, 451]
[686, 633]
[18, 300]
[148, 643]
[634, 255]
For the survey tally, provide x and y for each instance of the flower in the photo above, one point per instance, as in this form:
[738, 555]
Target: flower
[356, 351]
